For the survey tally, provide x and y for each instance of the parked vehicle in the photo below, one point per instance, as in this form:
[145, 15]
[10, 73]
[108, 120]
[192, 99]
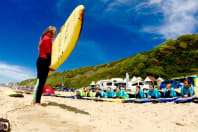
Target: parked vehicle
[133, 86]
[112, 83]
[174, 83]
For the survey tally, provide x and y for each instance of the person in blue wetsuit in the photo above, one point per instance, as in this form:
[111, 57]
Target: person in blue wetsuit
[153, 92]
[120, 94]
[169, 92]
[139, 93]
[187, 89]
[100, 93]
[109, 93]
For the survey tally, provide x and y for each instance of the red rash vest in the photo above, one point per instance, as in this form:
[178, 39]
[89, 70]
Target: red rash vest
[45, 46]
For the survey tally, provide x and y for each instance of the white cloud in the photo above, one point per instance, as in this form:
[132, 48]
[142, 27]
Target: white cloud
[10, 73]
[117, 3]
[155, 1]
[115, 12]
[179, 17]
[105, 1]
[102, 7]
[173, 17]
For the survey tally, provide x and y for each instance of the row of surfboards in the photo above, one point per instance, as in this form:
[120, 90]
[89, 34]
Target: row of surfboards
[129, 100]
[134, 100]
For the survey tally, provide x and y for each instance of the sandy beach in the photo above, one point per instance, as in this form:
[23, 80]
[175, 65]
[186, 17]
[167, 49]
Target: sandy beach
[91, 116]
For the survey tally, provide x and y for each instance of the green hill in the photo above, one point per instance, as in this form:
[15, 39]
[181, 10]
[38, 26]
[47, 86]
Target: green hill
[170, 59]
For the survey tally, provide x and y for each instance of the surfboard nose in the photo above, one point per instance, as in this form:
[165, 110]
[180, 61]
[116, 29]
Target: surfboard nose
[81, 9]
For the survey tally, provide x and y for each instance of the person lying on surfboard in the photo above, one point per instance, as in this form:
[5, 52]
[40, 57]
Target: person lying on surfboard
[120, 94]
[187, 89]
[102, 93]
[153, 92]
[99, 93]
[169, 91]
[90, 93]
[109, 93]
[80, 92]
[139, 93]
[43, 62]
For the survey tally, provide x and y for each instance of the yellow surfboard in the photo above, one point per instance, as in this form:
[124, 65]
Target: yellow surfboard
[67, 38]
[13, 93]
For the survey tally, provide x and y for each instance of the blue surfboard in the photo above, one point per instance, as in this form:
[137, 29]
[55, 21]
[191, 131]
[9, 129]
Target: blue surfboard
[185, 100]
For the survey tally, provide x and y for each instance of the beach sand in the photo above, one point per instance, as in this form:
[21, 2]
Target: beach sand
[90, 116]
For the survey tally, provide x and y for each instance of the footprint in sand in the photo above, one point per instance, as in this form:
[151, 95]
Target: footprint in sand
[39, 119]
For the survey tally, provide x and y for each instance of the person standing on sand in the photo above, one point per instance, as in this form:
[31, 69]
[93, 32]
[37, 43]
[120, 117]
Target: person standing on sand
[43, 62]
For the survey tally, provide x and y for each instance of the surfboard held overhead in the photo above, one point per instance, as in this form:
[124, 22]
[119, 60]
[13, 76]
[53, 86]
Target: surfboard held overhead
[67, 38]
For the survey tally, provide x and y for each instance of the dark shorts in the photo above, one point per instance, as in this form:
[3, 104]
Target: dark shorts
[42, 67]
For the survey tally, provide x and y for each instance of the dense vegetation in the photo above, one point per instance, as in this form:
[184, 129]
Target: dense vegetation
[170, 59]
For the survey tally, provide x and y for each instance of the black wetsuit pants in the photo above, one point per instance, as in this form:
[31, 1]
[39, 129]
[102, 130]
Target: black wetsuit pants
[42, 73]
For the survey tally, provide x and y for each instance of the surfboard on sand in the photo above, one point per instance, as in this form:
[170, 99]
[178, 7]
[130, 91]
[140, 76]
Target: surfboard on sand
[13, 94]
[186, 100]
[67, 38]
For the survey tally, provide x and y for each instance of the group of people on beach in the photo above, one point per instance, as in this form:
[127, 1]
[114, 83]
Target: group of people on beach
[44, 66]
[187, 90]
[117, 93]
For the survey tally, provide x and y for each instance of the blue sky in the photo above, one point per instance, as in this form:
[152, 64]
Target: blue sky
[112, 30]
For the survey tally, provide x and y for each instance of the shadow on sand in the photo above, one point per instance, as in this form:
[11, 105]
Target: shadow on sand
[63, 106]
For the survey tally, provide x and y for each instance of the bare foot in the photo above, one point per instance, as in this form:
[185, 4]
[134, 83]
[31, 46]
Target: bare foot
[33, 103]
[36, 104]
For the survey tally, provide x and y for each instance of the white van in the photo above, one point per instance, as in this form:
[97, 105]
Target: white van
[112, 83]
